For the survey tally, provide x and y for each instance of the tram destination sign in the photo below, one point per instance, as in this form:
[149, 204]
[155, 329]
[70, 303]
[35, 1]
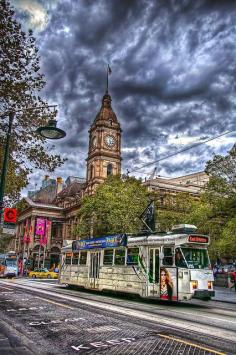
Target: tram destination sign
[110, 241]
[198, 239]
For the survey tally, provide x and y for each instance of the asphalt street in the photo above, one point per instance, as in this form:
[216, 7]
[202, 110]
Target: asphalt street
[42, 317]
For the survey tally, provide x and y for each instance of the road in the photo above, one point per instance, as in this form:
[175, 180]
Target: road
[51, 319]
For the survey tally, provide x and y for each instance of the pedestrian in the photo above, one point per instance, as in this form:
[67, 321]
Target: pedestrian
[233, 279]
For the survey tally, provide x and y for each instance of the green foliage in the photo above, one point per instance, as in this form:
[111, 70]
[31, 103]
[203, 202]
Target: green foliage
[221, 197]
[222, 170]
[176, 210]
[114, 208]
[20, 85]
[5, 241]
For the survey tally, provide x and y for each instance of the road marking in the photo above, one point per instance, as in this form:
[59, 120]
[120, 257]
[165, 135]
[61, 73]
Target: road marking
[100, 344]
[6, 288]
[56, 321]
[25, 309]
[58, 304]
[6, 301]
[191, 344]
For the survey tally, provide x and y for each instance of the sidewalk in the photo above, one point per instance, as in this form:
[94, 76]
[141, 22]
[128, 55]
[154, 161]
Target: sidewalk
[223, 294]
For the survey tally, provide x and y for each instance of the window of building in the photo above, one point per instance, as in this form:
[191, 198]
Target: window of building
[109, 169]
[108, 257]
[132, 256]
[75, 259]
[168, 256]
[83, 258]
[120, 257]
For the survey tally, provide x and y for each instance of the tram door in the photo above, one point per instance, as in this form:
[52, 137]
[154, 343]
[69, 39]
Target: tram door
[154, 272]
[94, 268]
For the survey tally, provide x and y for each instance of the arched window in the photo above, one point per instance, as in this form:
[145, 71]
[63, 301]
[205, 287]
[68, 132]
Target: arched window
[109, 169]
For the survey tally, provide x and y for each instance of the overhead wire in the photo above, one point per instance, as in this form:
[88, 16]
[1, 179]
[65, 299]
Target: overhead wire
[182, 150]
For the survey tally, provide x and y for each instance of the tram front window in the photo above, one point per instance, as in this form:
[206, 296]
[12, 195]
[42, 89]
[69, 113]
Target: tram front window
[10, 262]
[179, 258]
[196, 258]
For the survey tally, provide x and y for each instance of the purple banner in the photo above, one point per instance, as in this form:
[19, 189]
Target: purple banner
[40, 226]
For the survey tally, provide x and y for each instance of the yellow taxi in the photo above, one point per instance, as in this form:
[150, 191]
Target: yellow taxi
[43, 274]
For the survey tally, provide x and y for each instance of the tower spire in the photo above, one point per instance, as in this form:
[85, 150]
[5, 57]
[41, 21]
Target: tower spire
[108, 73]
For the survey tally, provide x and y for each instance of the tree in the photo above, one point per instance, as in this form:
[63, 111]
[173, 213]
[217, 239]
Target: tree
[114, 208]
[222, 172]
[175, 210]
[20, 85]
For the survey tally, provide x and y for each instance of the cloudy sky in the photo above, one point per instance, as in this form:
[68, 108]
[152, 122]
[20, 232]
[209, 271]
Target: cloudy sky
[172, 84]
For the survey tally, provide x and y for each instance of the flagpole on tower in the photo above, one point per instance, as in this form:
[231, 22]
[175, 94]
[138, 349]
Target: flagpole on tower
[108, 73]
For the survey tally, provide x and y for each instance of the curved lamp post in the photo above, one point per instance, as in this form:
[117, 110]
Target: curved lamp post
[50, 132]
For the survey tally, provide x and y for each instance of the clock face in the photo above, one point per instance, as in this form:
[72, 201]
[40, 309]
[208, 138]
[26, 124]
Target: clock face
[110, 141]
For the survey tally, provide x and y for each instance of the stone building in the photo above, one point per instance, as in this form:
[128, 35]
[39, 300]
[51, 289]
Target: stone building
[164, 188]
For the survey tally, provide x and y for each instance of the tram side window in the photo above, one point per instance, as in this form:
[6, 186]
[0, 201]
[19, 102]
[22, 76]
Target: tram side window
[120, 257]
[108, 257]
[132, 256]
[75, 259]
[168, 256]
[83, 258]
[68, 260]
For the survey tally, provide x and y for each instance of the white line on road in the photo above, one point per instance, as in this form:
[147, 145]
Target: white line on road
[6, 288]
[58, 304]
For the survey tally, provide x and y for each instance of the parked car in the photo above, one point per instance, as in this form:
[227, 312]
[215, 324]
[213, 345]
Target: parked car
[43, 274]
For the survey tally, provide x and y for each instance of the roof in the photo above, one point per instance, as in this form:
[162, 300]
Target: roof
[106, 113]
[42, 205]
[71, 190]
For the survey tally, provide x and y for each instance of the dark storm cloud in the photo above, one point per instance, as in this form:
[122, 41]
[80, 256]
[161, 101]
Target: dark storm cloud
[173, 74]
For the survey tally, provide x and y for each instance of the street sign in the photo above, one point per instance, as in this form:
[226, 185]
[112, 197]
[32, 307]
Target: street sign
[8, 228]
[9, 231]
[9, 215]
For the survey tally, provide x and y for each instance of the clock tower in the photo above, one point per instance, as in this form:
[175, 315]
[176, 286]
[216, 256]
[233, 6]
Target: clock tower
[104, 156]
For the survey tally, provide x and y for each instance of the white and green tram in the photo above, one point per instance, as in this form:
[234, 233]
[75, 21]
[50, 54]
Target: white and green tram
[173, 266]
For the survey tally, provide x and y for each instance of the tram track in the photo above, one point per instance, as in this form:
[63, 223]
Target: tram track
[149, 305]
[167, 327]
[159, 316]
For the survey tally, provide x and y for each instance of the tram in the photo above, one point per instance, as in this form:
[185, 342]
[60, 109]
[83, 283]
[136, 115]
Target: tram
[9, 264]
[173, 266]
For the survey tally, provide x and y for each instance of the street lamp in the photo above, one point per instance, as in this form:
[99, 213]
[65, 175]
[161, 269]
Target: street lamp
[50, 132]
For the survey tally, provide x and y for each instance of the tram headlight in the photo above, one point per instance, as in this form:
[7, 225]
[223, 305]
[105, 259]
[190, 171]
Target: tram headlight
[209, 284]
[194, 285]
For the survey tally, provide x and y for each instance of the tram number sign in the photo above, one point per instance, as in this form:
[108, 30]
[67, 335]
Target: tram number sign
[197, 239]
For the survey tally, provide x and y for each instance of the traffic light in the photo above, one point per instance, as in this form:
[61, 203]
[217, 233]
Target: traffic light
[9, 215]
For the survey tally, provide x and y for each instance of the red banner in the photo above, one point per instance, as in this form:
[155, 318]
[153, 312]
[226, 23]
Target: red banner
[44, 238]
